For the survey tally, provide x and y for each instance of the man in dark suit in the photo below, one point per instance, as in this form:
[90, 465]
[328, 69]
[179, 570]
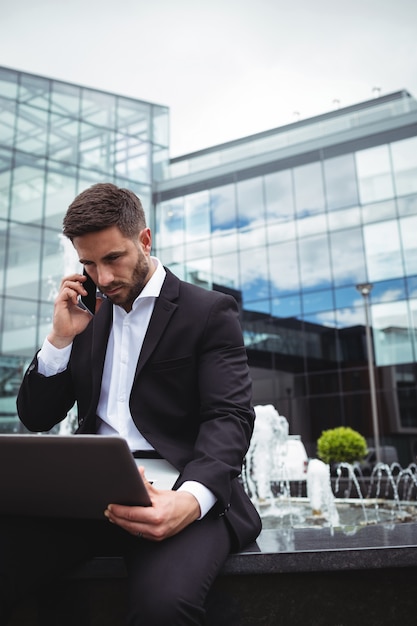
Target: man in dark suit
[163, 364]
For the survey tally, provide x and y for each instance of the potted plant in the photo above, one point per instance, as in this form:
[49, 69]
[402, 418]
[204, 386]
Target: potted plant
[341, 445]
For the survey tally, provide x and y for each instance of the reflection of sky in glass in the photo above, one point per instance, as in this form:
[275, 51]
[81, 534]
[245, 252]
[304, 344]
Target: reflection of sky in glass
[223, 209]
[314, 262]
[383, 254]
[309, 192]
[348, 258]
[374, 173]
[408, 228]
[391, 326]
[404, 158]
[340, 181]
[297, 241]
[289, 306]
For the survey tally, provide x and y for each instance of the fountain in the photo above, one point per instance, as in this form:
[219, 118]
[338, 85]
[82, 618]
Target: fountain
[348, 548]
[344, 507]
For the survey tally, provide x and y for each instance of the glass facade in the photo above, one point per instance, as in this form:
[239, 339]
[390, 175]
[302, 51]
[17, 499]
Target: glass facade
[288, 221]
[57, 139]
[330, 203]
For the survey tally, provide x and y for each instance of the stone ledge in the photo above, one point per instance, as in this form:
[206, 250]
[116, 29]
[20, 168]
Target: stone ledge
[291, 577]
[301, 550]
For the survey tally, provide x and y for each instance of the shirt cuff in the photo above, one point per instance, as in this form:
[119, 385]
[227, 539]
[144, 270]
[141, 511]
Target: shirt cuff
[205, 498]
[53, 360]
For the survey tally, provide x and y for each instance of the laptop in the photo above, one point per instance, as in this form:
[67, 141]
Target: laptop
[73, 476]
[159, 472]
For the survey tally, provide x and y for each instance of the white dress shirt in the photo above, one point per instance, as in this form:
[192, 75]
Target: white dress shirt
[123, 350]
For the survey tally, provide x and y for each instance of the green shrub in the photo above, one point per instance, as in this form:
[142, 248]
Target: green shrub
[341, 445]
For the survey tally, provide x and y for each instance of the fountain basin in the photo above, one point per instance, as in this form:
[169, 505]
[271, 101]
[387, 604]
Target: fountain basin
[353, 513]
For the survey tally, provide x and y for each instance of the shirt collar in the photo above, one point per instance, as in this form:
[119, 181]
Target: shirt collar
[153, 287]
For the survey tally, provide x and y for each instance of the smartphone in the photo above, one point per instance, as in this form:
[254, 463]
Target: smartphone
[89, 301]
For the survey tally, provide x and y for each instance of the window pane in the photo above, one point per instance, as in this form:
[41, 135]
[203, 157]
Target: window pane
[197, 215]
[223, 208]
[404, 160]
[20, 327]
[28, 189]
[343, 218]
[407, 205]
[223, 219]
[133, 118]
[374, 174]
[314, 301]
[348, 256]
[34, 90]
[58, 259]
[23, 260]
[383, 255]
[5, 172]
[65, 99]
[63, 139]
[96, 147]
[98, 108]
[32, 125]
[250, 205]
[309, 193]
[160, 126]
[7, 121]
[60, 192]
[379, 211]
[314, 262]
[170, 223]
[254, 286]
[8, 83]
[288, 306]
[408, 228]
[279, 196]
[340, 181]
[392, 337]
[283, 268]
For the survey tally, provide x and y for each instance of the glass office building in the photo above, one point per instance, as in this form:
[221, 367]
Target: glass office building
[291, 221]
[288, 221]
[57, 139]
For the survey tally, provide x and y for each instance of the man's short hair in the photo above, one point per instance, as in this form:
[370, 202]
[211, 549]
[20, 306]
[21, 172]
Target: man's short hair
[101, 206]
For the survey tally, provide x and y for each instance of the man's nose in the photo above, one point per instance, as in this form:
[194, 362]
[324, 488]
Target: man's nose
[104, 276]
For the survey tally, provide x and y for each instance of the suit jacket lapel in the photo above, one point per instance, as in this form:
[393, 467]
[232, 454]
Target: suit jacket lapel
[163, 310]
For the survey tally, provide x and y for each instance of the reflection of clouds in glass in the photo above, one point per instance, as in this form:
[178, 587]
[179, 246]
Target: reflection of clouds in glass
[382, 245]
[348, 261]
[250, 205]
[254, 279]
[311, 225]
[344, 218]
[345, 318]
[394, 314]
[408, 228]
[389, 295]
[222, 206]
[314, 261]
[281, 231]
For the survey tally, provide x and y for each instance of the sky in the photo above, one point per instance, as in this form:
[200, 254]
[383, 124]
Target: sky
[225, 68]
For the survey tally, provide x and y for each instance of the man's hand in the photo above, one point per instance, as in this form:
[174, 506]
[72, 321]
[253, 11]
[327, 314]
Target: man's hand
[171, 511]
[69, 319]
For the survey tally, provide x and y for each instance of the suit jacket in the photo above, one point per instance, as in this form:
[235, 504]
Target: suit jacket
[191, 395]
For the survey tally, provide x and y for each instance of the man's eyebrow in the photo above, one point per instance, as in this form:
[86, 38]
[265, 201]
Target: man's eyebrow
[113, 253]
[106, 257]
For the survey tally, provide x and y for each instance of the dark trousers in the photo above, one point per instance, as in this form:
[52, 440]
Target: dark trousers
[168, 582]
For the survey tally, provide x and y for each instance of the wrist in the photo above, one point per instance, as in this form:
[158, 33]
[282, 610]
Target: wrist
[59, 342]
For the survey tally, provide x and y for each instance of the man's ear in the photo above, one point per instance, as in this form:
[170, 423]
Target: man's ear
[145, 239]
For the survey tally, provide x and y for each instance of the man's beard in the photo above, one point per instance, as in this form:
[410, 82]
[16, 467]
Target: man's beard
[139, 280]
